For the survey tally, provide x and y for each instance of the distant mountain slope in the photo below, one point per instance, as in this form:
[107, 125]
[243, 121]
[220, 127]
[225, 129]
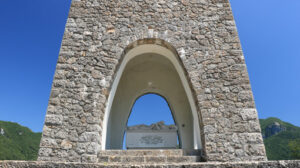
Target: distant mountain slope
[18, 142]
[281, 139]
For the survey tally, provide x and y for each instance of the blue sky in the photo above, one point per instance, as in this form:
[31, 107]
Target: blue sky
[31, 32]
[149, 109]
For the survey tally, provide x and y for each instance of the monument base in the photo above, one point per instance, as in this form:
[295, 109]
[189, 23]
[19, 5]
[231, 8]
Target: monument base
[261, 164]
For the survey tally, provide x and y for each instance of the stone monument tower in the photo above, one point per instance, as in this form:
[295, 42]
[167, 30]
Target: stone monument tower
[186, 51]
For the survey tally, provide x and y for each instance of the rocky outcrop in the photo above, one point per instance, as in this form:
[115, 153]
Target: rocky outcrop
[2, 131]
[156, 126]
[273, 129]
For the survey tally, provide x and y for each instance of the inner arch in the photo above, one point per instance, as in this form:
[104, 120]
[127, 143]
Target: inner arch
[150, 68]
[148, 109]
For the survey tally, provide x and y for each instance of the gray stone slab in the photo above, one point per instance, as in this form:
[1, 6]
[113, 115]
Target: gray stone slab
[153, 152]
[259, 164]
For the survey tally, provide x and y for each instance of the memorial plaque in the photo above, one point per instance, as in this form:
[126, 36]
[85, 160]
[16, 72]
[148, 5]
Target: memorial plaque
[157, 135]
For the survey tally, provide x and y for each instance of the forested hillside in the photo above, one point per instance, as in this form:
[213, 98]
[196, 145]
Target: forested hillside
[282, 139]
[18, 142]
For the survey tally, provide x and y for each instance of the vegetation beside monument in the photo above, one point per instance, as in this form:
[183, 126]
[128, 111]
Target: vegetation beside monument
[295, 148]
[282, 145]
[18, 142]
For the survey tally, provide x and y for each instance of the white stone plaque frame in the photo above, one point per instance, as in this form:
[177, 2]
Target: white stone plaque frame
[151, 139]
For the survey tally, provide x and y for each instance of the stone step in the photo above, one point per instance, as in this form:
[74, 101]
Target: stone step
[148, 159]
[241, 164]
[153, 152]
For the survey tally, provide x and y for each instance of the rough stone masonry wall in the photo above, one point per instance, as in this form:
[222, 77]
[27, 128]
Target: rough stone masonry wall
[205, 36]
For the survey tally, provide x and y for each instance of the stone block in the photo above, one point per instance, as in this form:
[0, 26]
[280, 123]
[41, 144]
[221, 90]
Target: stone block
[89, 137]
[54, 119]
[155, 159]
[133, 159]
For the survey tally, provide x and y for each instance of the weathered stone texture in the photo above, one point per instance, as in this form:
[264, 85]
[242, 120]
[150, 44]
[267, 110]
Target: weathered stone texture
[260, 164]
[204, 34]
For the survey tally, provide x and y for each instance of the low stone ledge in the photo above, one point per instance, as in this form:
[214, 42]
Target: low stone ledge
[42, 164]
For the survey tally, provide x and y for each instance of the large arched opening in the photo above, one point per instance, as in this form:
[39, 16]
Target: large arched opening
[151, 68]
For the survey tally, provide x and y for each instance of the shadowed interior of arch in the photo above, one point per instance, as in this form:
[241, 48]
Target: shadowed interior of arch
[148, 109]
[150, 68]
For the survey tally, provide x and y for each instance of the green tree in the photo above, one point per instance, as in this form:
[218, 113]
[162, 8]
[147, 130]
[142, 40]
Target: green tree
[295, 148]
